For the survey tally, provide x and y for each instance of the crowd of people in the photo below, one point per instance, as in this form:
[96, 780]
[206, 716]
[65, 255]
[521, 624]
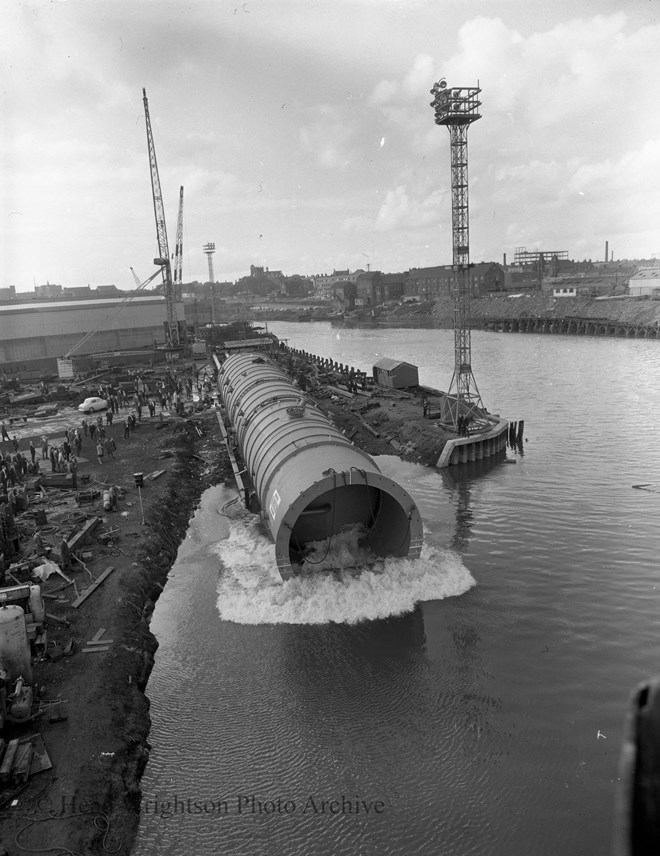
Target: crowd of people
[17, 465]
[92, 434]
[169, 394]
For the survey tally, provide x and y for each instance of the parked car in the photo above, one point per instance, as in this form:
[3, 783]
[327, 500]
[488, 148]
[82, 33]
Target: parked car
[91, 405]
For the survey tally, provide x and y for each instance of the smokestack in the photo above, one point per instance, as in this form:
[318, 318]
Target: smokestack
[504, 260]
[607, 251]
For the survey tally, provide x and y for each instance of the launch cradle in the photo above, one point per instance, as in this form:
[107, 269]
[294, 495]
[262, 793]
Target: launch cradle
[311, 481]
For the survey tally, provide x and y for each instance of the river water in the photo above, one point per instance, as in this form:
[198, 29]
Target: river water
[471, 702]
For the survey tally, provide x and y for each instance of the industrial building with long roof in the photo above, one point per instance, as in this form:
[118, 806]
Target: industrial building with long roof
[33, 335]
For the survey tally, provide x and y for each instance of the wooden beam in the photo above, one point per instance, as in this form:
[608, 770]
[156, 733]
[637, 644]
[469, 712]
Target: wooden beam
[8, 760]
[368, 427]
[80, 536]
[93, 587]
[56, 618]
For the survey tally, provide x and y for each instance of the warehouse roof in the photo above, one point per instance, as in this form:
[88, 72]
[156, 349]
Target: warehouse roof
[649, 273]
[389, 364]
[54, 305]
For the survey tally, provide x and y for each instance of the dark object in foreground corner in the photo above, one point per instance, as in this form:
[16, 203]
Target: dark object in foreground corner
[637, 814]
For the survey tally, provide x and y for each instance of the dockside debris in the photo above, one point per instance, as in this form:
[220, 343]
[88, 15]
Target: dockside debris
[58, 529]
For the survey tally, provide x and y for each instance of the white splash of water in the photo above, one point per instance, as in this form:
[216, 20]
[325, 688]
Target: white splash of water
[251, 591]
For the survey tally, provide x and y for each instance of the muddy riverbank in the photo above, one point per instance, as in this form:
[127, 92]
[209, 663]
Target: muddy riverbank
[95, 715]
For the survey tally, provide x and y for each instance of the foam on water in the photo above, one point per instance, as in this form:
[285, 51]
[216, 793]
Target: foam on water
[251, 591]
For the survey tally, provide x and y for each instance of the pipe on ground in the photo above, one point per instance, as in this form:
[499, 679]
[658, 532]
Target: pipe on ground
[310, 480]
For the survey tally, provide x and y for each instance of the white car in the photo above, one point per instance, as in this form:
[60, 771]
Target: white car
[91, 405]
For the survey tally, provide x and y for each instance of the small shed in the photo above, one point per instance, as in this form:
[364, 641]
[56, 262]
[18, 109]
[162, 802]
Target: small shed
[645, 282]
[396, 374]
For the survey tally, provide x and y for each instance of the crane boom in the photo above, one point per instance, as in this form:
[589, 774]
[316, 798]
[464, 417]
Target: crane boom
[136, 278]
[178, 250]
[114, 312]
[161, 232]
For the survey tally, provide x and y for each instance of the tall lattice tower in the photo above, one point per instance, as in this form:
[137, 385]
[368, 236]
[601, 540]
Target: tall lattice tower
[209, 249]
[457, 108]
[178, 251]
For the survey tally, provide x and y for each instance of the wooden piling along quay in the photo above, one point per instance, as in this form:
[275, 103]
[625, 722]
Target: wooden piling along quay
[570, 325]
[459, 450]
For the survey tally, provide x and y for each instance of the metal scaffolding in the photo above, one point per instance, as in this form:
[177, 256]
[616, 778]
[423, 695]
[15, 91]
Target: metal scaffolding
[457, 108]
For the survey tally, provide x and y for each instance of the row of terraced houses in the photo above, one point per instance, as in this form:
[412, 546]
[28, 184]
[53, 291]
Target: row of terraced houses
[372, 288]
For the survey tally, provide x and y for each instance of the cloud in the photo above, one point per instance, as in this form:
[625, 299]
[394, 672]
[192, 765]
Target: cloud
[328, 136]
[560, 110]
[273, 120]
[401, 210]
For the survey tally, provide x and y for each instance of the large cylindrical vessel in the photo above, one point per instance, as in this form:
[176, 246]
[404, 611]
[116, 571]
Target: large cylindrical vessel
[15, 657]
[311, 481]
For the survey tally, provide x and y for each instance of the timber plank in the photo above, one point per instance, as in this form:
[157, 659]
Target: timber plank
[80, 536]
[93, 587]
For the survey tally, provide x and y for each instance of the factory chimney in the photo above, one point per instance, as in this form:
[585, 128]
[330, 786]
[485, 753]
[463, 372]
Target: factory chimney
[607, 251]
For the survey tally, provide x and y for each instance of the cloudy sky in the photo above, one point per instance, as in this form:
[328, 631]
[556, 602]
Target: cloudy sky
[302, 133]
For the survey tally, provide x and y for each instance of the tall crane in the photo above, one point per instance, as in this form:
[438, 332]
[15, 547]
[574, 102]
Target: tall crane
[136, 278]
[163, 259]
[178, 250]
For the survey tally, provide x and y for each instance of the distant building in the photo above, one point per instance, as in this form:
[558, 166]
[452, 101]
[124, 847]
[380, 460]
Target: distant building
[261, 273]
[389, 287]
[375, 288]
[429, 282]
[434, 282]
[586, 285]
[324, 282]
[48, 290]
[364, 289]
[8, 293]
[109, 291]
[343, 296]
[540, 259]
[486, 277]
[295, 286]
[34, 334]
[645, 283]
[80, 292]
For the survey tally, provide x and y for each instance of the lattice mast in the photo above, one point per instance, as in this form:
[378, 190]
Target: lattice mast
[209, 249]
[457, 108]
[161, 232]
[178, 251]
